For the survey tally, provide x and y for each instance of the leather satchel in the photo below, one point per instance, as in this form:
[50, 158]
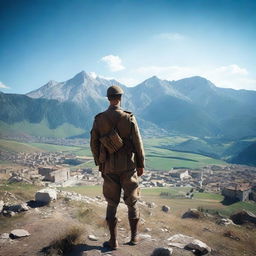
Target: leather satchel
[112, 141]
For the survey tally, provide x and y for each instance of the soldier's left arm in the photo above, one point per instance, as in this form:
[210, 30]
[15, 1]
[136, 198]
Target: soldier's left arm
[95, 143]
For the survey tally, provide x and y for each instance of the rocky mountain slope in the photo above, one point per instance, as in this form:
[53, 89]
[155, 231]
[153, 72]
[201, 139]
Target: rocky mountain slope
[192, 106]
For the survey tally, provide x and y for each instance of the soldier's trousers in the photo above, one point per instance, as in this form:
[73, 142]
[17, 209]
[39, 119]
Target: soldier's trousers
[112, 186]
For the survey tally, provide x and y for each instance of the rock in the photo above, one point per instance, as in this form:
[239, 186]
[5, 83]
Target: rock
[162, 252]
[151, 204]
[243, 217]
[198, 247]
[46, 195]
[4, 236]
[148, 229]
[17, 233]
[93, 238]
[189, 243]
[15, 179]
[1, 205]
[180, 240]
[144, 236]
[224, 222]
[8, 213]
[165, 208]
[193, 213]
[18, 208]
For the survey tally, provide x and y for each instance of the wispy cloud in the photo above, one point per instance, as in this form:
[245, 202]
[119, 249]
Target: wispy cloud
[232, 69]
[230, 76]
[171, 36]
[233, 76]
[167, 72]
[3, 86]
[113, 62]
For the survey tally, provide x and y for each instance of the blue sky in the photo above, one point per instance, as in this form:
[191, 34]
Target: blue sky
[129, 40]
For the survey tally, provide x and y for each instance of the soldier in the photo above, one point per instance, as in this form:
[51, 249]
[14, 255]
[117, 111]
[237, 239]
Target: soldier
[121, 168]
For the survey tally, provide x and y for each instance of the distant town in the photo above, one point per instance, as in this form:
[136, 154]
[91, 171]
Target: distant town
[62, 169]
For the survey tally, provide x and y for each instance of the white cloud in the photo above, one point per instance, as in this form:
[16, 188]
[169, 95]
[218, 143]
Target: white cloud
[113, 62]
[232, 69]
[167, 72]
[171, 36]
[3, 86]
[230, 76]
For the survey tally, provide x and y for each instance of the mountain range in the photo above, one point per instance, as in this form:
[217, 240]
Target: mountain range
[192, 106]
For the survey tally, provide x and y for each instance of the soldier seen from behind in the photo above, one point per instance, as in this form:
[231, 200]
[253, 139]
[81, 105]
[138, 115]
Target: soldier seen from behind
[118, 151]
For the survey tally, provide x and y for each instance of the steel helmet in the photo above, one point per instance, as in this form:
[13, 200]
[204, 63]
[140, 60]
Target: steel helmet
[114, 90]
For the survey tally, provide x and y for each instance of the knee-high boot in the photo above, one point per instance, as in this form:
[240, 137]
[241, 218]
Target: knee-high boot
[134, 231]
[112, 243]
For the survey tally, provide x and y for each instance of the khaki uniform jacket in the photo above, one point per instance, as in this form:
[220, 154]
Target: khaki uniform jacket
[131, 155]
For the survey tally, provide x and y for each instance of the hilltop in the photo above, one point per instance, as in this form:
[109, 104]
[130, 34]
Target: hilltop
[84, 214]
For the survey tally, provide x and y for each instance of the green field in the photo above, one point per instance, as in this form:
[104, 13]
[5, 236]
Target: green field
[14, 146]
[164, 159]
[40, 129]
[156, 158]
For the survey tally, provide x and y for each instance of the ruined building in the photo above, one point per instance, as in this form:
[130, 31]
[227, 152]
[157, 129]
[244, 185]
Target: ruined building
[239, 192]
[54, 174]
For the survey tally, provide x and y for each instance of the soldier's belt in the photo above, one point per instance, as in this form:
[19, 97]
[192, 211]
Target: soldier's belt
[112, 141]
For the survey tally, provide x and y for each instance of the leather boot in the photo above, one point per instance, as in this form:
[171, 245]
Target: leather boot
[112, 243]
[134, 229]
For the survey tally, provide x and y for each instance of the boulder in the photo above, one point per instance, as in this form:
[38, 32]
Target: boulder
[189, 243]
[17, 208]
[193, 213]
[18, 233]
[162, 252]
[180, 240]
[46, 195]
[243, 217]
[165, 208]
[198, 247]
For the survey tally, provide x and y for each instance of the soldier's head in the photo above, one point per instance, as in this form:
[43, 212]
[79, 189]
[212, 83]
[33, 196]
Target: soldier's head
[114, 94]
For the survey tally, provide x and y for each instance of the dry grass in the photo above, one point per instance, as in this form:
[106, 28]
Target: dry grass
[64, 241]
[21, 190]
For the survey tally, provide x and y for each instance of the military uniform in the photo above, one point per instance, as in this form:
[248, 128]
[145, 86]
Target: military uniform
[118, 169]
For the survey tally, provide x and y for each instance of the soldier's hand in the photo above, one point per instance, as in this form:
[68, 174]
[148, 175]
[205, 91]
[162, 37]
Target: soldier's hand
[140, 171]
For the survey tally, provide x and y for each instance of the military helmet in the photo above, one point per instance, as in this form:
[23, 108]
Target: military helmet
[114, 90]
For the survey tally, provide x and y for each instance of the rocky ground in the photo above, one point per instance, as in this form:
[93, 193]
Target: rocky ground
[159, 227]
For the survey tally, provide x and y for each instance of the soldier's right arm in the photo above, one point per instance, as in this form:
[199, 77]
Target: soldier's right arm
[138, 145]
[95, 143]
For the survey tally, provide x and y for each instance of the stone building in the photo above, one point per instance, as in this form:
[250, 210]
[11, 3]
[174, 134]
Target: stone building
[54, 174]
[239, 192]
